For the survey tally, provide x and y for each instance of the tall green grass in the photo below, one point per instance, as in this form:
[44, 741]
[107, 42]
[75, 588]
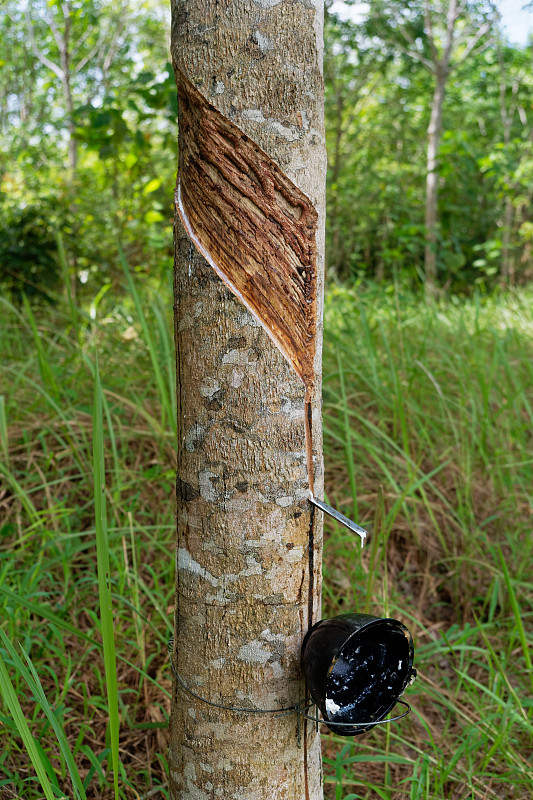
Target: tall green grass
[428, 431]
[104, 576]
[428, 417]
[86, 511]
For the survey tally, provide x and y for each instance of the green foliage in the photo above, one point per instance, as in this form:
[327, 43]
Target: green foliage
[38, 758]
[28, 254]
[379, 87]
[84, 151]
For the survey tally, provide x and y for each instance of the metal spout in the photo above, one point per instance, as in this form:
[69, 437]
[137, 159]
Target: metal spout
[352, 526]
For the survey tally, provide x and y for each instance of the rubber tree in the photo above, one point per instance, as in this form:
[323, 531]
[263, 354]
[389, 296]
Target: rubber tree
[440, 36]
[71, 40]
[250, 194]
[449, 46]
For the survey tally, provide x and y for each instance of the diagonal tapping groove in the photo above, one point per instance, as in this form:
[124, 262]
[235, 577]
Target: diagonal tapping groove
[254, 226]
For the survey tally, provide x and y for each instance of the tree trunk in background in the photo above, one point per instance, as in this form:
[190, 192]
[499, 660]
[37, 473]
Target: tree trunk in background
[507, 268]
[63, 44]
[506, 114]
[245, 596]
[432, 186]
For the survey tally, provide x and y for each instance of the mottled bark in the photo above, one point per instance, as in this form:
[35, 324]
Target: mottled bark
[245, 592]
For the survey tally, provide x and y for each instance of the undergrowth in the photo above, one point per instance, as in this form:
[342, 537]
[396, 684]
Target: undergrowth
[428, 426]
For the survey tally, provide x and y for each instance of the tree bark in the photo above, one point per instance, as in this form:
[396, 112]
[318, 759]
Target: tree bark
[440, 66]
[248, 545]
[432, 186]
[337, 254]
[63, 42]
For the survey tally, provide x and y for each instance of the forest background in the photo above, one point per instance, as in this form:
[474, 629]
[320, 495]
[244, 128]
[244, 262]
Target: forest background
[428, 395]
[99, 92]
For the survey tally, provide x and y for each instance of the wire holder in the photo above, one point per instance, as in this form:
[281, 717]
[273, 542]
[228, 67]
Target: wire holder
[300, 708]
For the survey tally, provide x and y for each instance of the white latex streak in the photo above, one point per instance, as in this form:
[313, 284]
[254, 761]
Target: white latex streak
[331, 706]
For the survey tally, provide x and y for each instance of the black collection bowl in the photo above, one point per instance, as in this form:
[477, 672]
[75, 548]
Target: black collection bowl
[356, 666]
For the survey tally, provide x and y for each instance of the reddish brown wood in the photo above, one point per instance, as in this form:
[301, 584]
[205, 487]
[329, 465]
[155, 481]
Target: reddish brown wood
[255, 227]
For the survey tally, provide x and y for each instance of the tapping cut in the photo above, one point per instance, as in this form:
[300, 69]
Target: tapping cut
[254, 226]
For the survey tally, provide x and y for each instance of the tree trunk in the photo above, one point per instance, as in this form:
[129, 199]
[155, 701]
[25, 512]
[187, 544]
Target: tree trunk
[506, 275]
[72, 142]
[63, 42]
[432, 178]
[249, 546]
[507, 270]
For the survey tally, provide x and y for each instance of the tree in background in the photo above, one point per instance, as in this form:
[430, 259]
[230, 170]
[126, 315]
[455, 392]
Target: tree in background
[87, 123]
[514, 71]
[377, 133]
[440, 36]
[81, 41]
[352, 69]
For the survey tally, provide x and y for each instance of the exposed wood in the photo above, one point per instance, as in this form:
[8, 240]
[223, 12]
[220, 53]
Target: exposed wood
[256, 228]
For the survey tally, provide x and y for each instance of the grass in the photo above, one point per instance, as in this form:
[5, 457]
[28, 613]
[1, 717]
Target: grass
[71, 531]
[438, 413]
[428, 427]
